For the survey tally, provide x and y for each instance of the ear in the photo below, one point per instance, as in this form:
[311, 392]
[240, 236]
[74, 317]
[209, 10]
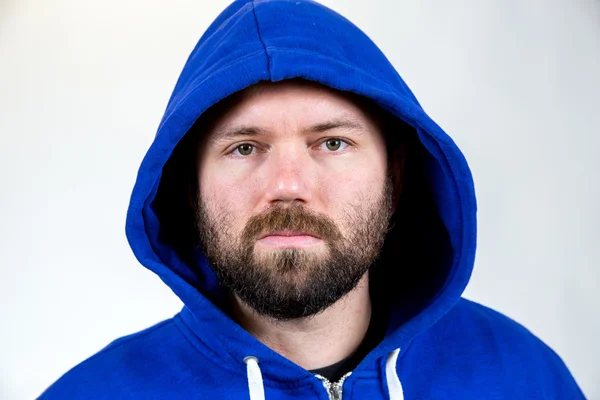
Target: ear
[397, 172]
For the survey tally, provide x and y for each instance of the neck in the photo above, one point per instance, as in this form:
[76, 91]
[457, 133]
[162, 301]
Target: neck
[317, 341]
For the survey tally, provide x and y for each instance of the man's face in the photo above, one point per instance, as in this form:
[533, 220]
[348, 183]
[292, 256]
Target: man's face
[294, 197]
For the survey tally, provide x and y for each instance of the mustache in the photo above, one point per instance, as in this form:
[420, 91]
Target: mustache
[295, 218]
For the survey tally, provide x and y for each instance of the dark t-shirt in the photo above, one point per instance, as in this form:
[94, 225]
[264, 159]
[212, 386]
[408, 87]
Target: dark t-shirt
[374, 335]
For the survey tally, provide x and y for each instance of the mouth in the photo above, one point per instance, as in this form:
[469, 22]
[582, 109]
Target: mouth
[287, 233]
[289, 238]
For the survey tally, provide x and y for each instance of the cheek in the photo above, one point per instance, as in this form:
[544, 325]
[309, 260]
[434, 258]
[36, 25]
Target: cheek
[353, 190]
[229, 197]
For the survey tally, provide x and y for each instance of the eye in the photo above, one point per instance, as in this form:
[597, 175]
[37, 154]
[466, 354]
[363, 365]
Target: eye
[334, 144]
[244, 149]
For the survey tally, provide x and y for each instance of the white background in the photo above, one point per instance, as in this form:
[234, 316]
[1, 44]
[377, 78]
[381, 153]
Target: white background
[83, 85]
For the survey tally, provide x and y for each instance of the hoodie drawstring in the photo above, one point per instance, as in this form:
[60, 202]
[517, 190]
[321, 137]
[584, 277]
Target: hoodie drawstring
[255, 381]
[391, 376]
[257, 390]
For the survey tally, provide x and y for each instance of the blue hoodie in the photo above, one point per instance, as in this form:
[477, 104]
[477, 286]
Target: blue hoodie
[437, 345]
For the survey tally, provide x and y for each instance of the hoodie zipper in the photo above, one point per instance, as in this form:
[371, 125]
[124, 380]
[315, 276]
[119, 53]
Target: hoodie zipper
[334, 390]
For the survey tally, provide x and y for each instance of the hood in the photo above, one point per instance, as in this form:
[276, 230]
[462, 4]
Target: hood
[428, 256]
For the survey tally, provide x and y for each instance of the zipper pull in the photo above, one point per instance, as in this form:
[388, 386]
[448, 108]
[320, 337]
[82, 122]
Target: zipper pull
[335, 389]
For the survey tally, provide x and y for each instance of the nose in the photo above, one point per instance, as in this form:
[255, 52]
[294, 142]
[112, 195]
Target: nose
[290, 177]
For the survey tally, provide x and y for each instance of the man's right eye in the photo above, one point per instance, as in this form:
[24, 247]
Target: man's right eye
[245, 149]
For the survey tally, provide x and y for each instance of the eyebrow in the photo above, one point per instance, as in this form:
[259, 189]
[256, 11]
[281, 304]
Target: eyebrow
[347, 124]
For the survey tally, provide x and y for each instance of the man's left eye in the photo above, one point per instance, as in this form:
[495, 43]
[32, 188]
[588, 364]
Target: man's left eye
[334, 144]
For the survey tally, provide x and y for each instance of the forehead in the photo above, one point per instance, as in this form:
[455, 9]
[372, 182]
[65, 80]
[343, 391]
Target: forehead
[296, 101]
[298, 90]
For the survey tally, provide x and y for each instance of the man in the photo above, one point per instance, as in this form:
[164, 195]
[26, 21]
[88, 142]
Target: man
[319, 228]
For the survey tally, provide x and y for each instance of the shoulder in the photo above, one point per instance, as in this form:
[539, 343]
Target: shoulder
[481, 338]
[498, 334]
[124, 364]
[480, 320]
[498, 331]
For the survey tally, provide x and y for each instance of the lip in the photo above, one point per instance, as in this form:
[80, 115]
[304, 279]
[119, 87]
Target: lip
[286, 239]
[287, 233]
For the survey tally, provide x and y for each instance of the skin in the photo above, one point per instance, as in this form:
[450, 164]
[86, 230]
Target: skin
[293, 161]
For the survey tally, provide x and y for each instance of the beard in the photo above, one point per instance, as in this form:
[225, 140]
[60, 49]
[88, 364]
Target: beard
[294, 282]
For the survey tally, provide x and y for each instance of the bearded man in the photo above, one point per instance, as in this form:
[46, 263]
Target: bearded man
[319, 228]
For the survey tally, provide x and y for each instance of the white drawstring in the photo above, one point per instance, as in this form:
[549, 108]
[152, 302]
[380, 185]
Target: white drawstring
[391, 376]
[257, 390]
[255, 381]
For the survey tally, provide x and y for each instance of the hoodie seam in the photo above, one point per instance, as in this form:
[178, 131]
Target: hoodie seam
[260, 38]
[337, 60]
